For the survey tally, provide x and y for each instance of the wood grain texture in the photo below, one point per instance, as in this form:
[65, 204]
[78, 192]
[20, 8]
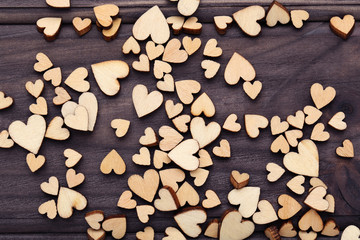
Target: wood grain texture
[287, 61]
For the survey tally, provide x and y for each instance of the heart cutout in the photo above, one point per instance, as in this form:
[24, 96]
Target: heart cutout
[147, 234]
[54, 75]
[55, 130]
[212, 200]
[113, 162]
[116, 224]
[143, 65]
[347, 150]
[79, 120]
[160, 68]
[5, 102]
[337, 121]
[342, 27]
[153, 51]
[292, 137]
[168, 200]
[289, 206]
[104, 14]
[297, 120]
[277, 126]
[144, 211]
[173, 234]
[50, 26]
[200, 176]
[210, 67]
[171, 138]
[238, 67]
[144, 102]
[73, 157]
[313, 114]
[318, 133]
[121, 126]
[40, 107]
[149, 139]
[58, 3]
[185, 90]
[48, 208]
[126, 201]
[167, 85]
[95, 234]
[277, 13]
[203, 104]
[266, 213]
[247, 197]
[275, 172]
[189, 219]
[81, 26]
[330, 229]
[145, 187]
[62, 96]
[221, 23]
[69, 199]
[351, 232]
[172, 52]
[287, 229]
[5, 141]
[172, 110]
[252, 89]
[170, 177]
[295, 184]
[321, 96]
[316, 200]
[223, 150]
[234, 227]
[182, 155]
[211, 49]
[94, 218]
[280, 144]
[176, 23]
[298, 17]
[191, 45]
[230, 123]
[181, 122]
[143, 158]
[204, 134]
[35, 89]
[51, 187]
[43, 62]
[34, 163]
[239, 180]
[74, 179]
[112, 32]
[252, 124]
[212, 229]
[311, 219]
[192, 26]
[187, 7]
[131, 45]
[76, 80]
[160, 158]
[247, 19]
[187, 194]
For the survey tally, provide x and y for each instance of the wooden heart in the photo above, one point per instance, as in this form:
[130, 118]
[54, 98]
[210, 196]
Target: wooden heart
[81, 26]
[95, 234]
[112, 32]
[192, 26]
[204, 134]
[176, 23]
[203, 104]
[316, 200]
[172, 110]
[223, 150]
[221, 23]
[342, 27]
[212, 200]
[104, 14]
[74, 179]
[298, 17]
[200, 176]
[126, 201]
[113, 162]
[185, 90]
[316, 182]
[143, 65]
[187, 194]
[306, 162]
[297, 120]
[172, 52]
[350, 232]
[144, 102]
[191, 45]
[73, 157]
[277, 13]
[230, 123]
[266, 213]
[143, 158]
[239, 180]
[321, 96]
[347, 150]
[131, 45]
[252, 89]
[170, 177]
[152, 23]
[189, 219]
[168, 200]
[234, 227]
[252, 124]
[287, 230]
[153, 51]
[280, 144]
[160, 158]
[292, 136]
[147, 234]
[48, 208]
[318, 133]
[69, 199]
[121, 126]
[30, 135]
[188, 7]
[173, 234]
[204, 158]
[43, 62]
[62, 96]
[275, 172]
[313, 114]
[94, 218]
[311, 219]
[76, 80]
[303, 235]
[55, 130]
[167, 85]
[145, 187]
[330, 229]
[35, 89]
[58, 3]
[160, 68]
[247, 197]
[79, 120]
[116, 224]
[40, 107]
[210, 67]
[144, 211]
[50, 26]
[289, 206]
[337, 121]
[182, 155]
[331, 200]
[5, 102]
[106, 75]
[171, 138]
[34, 163]
[212, 229]
[149, 139]
[295, 184]
[5, 141]
[211, 49]
[54, 75]
[51, 187]
[247, 19]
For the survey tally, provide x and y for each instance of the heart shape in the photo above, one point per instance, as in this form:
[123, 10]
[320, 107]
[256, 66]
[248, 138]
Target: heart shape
[277, 13]
[192, 26]
[168, 200]
[210, 67]
[147, 234]
[295, 184]
[318, 133]
[94, 218]
[54, 75]
[187, 194]
[266, 213]
[185, 90]
[73, 157]
[223, 150]
[170, 177]
[351, 232]
[204, 134]
[230, 123]
[30, 135]
[58, 3]
[313, 114]
[176, 23]
[34, 163]
[188, 7]
[212, 229]
[191, 45]
[81, 26]
[297, 120]
[40, 107]
[331, 200]
[95, 234]
[149, 139]
[5, 141]
[316, 200]
[74, 179]
[145, 187]
[252, 89]
[160, 68]
[342, 27]
[211, 49]
[113, 162]
[121, 126]
[311, 219]
[173, 234]
[126, 201]
[189, 219]
[182, 155]
[55, 130]
[347, 150]
[51, 187]
[280, 144]
[153, 51]
[239, 180]
[48, 208]
[160, 158]
[275, 172]
[172, 110]
[144, 211]
[306, 162]
[43, 62]
[144, 102]
[212, 200]
[181, 121]
[62, 96]
[238, 67]
[5, 102]
[203, 104]
[234, 227]
[76, 80]
[69, 199]
[247, 19]
[221, 23]
[320, 96]
[131, 45]
[143, 65]
[143, 158]
[35, 89]
[247, 197]
[171, 138]
[167, 85]
[50, 26]
[287, 229]
[172, 52]
[330, 229]
[112, 32]
[337, 121]
[298, 17]
[104, 14]
[252, 124]
[307, 235]
[292, 136]
[289, 206]
[79, 120]
[200, 176]
[116, 224]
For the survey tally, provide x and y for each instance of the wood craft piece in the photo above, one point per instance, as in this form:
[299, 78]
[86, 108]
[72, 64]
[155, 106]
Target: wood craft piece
[152, 23]
[292, 136]
[150, 138]
[58, 3]
[187, 194]
[331, 200]
[247, 197]
[34, 163]
[275, 172]
[40, 107]
[43, 62]
[153, 51]
[342, 27]
[187, 7]
[104, 14]
[277, 13]
[5, 141]
[234, 227]
[79, 120]
[147, 234]
[54, 75]
[203, 104]
[48, 208]
[318, 133]
[313, 114]
[298, 17]
[239, 180]
[287, 230]
[252, 89]
[94, 219]
[316, 200]
[173, 234]
[95, 234]
[113, 162]
[189, 220]
[5, 102]
[74, 179]
[303, 235]
[346, 150]
[200, 176]
[223, 150]
[35, 89]
[161, 68]
[29, 136]
[76, 80]
[176, 23]
[116, 224]
[160, 158]
[212, 200]
[112, 32]
[62, 96]
[252, 124]
[73, 157]
[106, 75]
[144, 211]
[185, 90]
[126, 201]
[320, 96]
[222, 23]
[69, 199]
[173, 110]
[306, 162]
[296, 184]
[337, 121]
[172, 52]
[143, 158]
[266, 214]
[144, 102]
[211, 68]
[183, 155]
[331, 229]
[145, 187]
[81, 26]
[204, 134]
[280, 144]
[191, 45]
[171, 138]
[247, 19]
[316, 182]
[272, 233]
[350, 232]
[192, 26]
[171, 177]
[167, 85]
[121, 126]
[89, 101]
[211, 49]
[49, 26]
[204, 158]
[131, 45]
[212, 229]
[311, 219]
[143, 65]
[168, 200]
[51, 187]
[289, 207]
[297, 120]
[230, 123]
[238, 68]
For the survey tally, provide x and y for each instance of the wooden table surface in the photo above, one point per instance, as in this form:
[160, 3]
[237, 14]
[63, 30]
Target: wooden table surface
[287, 62]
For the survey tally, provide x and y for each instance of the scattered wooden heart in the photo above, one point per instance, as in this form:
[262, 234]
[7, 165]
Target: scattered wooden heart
[212, 200]
[306, 162]
[346, 150]
[160, 158]
[298, 120]
[212, 229]
[204, 134]
[73, 157]
[313, 114]
[116, 224]
[303, 235]
[316, 182]
[51, 187]
[35, 89]
[50, 26]
[152, 23]
[176, 23]
[252, 89]
[239, 180]
[79, 120]
[320, 96]
[94, 218]
[298, 17]
[147, 234]
[29, 136]
[238, 67]
[173, 234]
[210, 67]
[204, 158]
[275, 172]
[171, 138]
[337, 121]
[185, 90]
[295, 184]
[106, 75]
[143, 65]
[172, 110]
[247, 197]
[277, 13]
[187, 7]
[113, 162]
[76, 80]
[230, 123]
[167, 85]
[331, 200]
[203, 104]
[104, 14]
[40, 107]
[222, 23]
[54, 75]
[5, 102]
[144, 211]
[311, 219]
[191, 45]
[48, 208]
[316, 200]
[330, 228]
[343, 27]
[43, 62]
[121, 126]
[69, 199]
[131, 45]
[266, 214]
[289, 207]
[143, 158]
[5, 141]
[81, 26]
[161, 68]
[187, 194]
[153, 51]
[350, 232]
[287, 230]
[200, 176]
[188, 220]
[62, 96]
[211, 49]
[144, 102]
[318, 133]
[149, 139]
[126, 201]
[34, 163]
[168, 200]
[292, 136]
[74, 179]
[145, 187]
[192, 26]
[247, 19]
[280, 144]
[95, 234]
[272, 233]
[172, 52]
[58, 3]
[181, 121]
[112, 32]
[252, 124]
[182, 155]
[170, 177]
[223, 150]
[234, 227]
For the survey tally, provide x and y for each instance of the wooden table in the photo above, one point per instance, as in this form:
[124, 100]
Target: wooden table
[287, 61]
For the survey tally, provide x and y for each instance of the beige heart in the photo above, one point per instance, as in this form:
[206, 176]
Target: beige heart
[58, 3]
[176, 23]
[144, 211]
[247, 197]
[280, 144]
[203, 104]
[321, 96]
[153, 51]
[330, 229]
[94, 218]
[167, 85]
[188, 7]
[112, 32]
[221, 23]
[81, 26]
[171, 138]
[89, 101]
[183, 153]
[172, 110]
[35, 89]
[5, 102]
[62, 96]
[50, 26]
[189, 219]
[200, 175]
[313, 114]
[192, 26]
[212, 229]
[5, 142]
[347, 150]
[173, 234]
[266, 213]
[172, 52]
[191, 45]
[287, 230]
[168, 200]
[252, 89]
[303, 235]
[160, 68]
[337, 121]
[311, 219]
[234, 227]
[74, 179]
[277, 126]
[212, 200]
[204, 134]
[252, 124]
[350, 232]
[185, 90]
[211, 49]
[145, 187]
[230, 123]
[54, 75]
[125, 200]
[223, 150]
[170, 177]
[277, 13]
[147, 234]
[51, 187]
[331, 200]
[55, 130]
[187, 194]
[73, 157]
[48, 208]
[144, 102]
[34, 163]
[131, 45]
[104, 14]
[210, 67]
[316, 200]
[116, 224]
[292, 136]
[113, 162]
[160, 158]
[69, 199]
[79, 120]
[40, 107]
[95, 234]
[181, 121]
[295, 184]
[297, 120]
[318, 133]
[143, 158]
[43, 62]
[289, 206]
[121, 126]
[342, 27]
[239, 180]
[298, 17]
[76, 80]
[275, 172]
[150, 138]
[247, 19]
[143, 65]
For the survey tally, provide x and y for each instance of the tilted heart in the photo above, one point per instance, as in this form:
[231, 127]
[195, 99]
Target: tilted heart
[210, 67]
[239, 180]
[318, 133]
[74, 179]
[160, 68]
[145, 187]
[289, 206]
[58, 3]
[189, 219]
[62, 96]
[51, 187]
[172, 52]
[81, 26]
[113, 162]
[266, 214]
[121, 126]
[50, 26]
[79, 120]
[192, 26]
[234, 227]
[223, 150]
[171, 138]
[34, 163]
[149, 139]
[277, 13]
[144, 102]
[297, 120]
[321, 96]
[212, 200]
[144, 211]
[188, 7]
[347, 150]
[275, 172]
[330, 229]
[131, 45]
[48, 208]
[69, 199]
[5, 141]
[95, 234]
[203, 104]
[172, 110]
[212, 229]
[342, 27]
[252, 89]
[173, 234]
[43, 62]
[181, 122]
[316, 200]
[94, 218]
[104, 14]
[191, 45]
[247, 197]
[167, 85]
[337, 121]
[176, 23]
[5, 102]
[238, 67]
[36, 88]
[311, 219]
[351, 232]
[54, 75]
[168, 200]
[55, 130]
[182, 155]
[171, 176]
[160, 158]
[292, 137]
[147, 234]
[40, 107]
[200, 176]
[280, 143]
[116, 224]
[298, 17]
[211, 49]
[313, 114]
[252, 124]
[153, 51]
[287, 230]
[187, 194]
[277, 126]
[295, 184]
[143, 158]
[76, 80]
[126, 201]
[222, 22]
[143, 65]
[73, 157]
[185, 90]
[230, 123]
[247, 19]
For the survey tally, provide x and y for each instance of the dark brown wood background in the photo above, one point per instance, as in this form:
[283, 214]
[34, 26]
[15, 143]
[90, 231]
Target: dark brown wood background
[287, 61]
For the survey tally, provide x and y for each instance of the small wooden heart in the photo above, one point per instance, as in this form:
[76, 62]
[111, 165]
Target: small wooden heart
[40, 107]
[280, 144]
[204, 134]
[211, 49]
[337, 121]
[167, 85]
[113, 162]
[203, 104]
[50, 26]
[143, 158]
[192, 26]
[121, 126]
[33, 162]
[48, 208]
[318, 133]
[212, 200]
[346, 150]
[295, 184]
[234, 227]
[200, 175]
[210, 67]
[76, 80]
[252, 89]
[35, 89]
[247, 197]
[62, 96]
[185, 90]
[172, 110]
[171, 138]
[94, 218]
[230, 123]
[54, 75]
[223, 150]
[222, 23]
[131, 45]
[161, 68]
[266, 213]
[187, 194]
[55, 130]
[144, 211]
[297, 120]
[287, 230]
[321, 96]
[313, 114]
[275, 172]
[252, 124]
[69, 199]
[116, 224]
[176, 23]
[144, 102]
[168, 200]
[277, 13]
[145, 187]
[143, 65]
[172, 52]
[182, 155]
[311, 219]
[191, 45]
[51, 187]
[316, 200]
[342, 27]
[104, 14]
[150, 138]
[5, 102]
[43, 62]
[126, 201]
[289, 206]
[74, 179]
[189, 220]
[171, 177]
[5, 141]
[73, 157]
[181, 122]
[298, 17]
[81, 26]
[247, 19]
[239, 180]
[147, 234]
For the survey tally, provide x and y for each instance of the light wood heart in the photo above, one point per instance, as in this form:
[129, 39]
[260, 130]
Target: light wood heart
[247, 19]
[89, 101]
[74, 179]
[113, 162]
[176, 23]
[280, 144]
[171, 138]
[306, 162]
[252, 124]
[96, 234]
[50, 26]
[313, 114]
[58, 3]
[147, 234]
[203, 104]
[172, 110]
[331, 200]
[211, 49]
[43, 62]
[48, 208]
[73, 157]
[200, 176]
[191, 45]
[145, 187]
[292, 137]
[116, 224]
[168, 200]
[51, 187]
[112, 32]
[107, 74]
[298, 17]
[192, 26]
[189, 219]
[144, 211]
[161, 68]
[187, 194]
[311, 219]
[211, 68]
[79, 120]
[238, 67]
[221, 23]
[30, 135]
[94, 218]
[153, 51]
[167, 85]
[143, 158]
[185, 90]
[188, 7]
[239, 180]
[170, 177]
[289, 206]
[330, 228]
[69, 199]
[5, 102]
[81, 26]
[54, 75]
[223, 150]
[277, 13]
[287, 230]
[143, 65]
[212, 200]
[321, 96]
[252, 89]
[212, 229]
[181, 122]
[304, 235]
[247, 197]
[152, 23]
[266, 214]
[172, 52]
[230, 123]
[144, 102]
[62, 96]
[204, 134]
[183, 153]
[160, 158]
[55, 130]
[40, 107]
[35, 89]
[346, 150]
[295, 184]
[342, 27]
[149, 139]
[121, 126]
[76, 80]
[275, 172]
[316, 200]
[234, 227]
[318, 133]
[173, 234]
[337, 121]
[298, 120]
[131, 45]
[104, 14]
[126, 201]
[5, 141]
[350, 232]
[34, 163]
